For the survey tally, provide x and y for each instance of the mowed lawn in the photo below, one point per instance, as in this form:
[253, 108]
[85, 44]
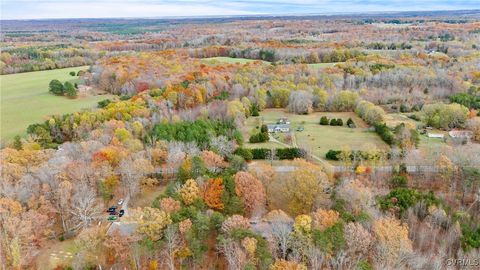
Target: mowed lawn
[25, 100]
[319, 139]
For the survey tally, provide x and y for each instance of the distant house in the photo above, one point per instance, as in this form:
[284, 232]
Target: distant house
[278, 128]
[435, 135]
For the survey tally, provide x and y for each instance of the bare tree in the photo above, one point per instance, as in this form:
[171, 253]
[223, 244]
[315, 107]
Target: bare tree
[300, 102]
[172, 242]
[85, 208]
[281, 232]
[233, 253]
[315, 257]
[223, 145]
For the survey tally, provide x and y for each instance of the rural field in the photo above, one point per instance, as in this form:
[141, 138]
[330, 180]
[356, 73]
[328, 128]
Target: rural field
[318, 139]
[229, 60]
[25, 99]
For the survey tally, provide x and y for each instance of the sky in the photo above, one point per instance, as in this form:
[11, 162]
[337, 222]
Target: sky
[43, 9]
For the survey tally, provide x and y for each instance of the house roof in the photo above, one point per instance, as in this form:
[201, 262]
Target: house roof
[435, 135]
[278, 126]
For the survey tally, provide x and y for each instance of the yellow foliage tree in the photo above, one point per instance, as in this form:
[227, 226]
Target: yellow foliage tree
[151, 222]
[303, 223]
[189, 191]
[305, 186]
[392, 239]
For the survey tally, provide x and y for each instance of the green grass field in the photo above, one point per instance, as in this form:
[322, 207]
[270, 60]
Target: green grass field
[25, 100]
[229, 60]
[319, 139]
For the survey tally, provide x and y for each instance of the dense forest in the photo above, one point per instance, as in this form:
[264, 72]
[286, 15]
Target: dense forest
[186, 151]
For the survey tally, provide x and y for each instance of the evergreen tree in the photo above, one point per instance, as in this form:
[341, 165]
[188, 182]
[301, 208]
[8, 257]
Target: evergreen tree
[70, 90]
[56, 87]
[324, 121]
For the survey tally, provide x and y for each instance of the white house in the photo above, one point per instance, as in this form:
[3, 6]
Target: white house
[278, 128]
[435, 135]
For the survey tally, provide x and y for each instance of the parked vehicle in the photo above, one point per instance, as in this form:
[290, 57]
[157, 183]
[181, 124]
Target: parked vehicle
[120, 202]
[112, 209]
[112, 218]
[121, 213]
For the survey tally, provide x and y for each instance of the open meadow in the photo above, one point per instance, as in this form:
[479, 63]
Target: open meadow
[25, 99]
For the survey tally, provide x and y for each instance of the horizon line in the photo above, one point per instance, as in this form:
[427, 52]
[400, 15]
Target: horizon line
[259, 15]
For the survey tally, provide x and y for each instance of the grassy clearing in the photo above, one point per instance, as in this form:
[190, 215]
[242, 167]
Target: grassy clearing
[430, 144]
[323, 65]
[56, 254]
[394, 119]
[25, 99]
[319, 139]
[229, 60]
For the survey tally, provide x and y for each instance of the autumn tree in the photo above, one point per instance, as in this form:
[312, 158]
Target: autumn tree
[344, 101]
[212, 194]
[189, 191]
[391, 240]
[251, 190]
[323, 219]
[305, 187]
[303, 224]
[359, 240]
[235, 222]
[151, 222]
[441, 115]
[213, 162]
[169, 205]
[356, 195]
[118, 247]
[287, 265]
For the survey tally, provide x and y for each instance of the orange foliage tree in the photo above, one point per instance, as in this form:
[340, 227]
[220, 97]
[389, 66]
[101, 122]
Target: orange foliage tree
[251, 190]
[212, 194]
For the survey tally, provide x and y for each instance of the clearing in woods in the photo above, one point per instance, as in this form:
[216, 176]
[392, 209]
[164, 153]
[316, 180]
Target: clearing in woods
[229, 60]
[315, 137]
